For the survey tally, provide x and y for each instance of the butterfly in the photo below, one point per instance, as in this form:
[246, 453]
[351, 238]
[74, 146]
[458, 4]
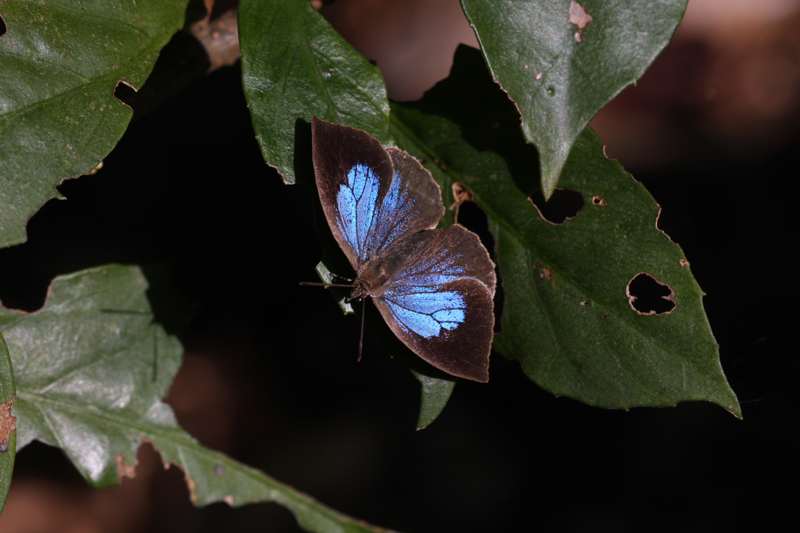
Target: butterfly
[433, 287]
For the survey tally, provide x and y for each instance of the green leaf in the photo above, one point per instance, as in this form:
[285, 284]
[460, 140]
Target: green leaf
[567, 317]
[60, 62]
[295, 66]
[558, 83]
[435, 393]
[91, 369]
[8, 435]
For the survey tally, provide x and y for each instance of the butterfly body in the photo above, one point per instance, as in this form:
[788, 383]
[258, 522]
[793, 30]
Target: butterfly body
[433, 287]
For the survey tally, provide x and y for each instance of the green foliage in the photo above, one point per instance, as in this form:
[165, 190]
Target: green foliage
[61, 61]
[560, 75]
[8, 452]
[295, 66]
[91, 367]
[571, 325]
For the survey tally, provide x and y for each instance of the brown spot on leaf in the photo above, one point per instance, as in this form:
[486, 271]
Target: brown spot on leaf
[192, 485]
[648, 296]
[562, 206]
[125, 470]
[539, 75]
[599, 200]
[579, 17]
[8, 423]
[684, 262]
[228, 499]
[125, 93]
[547, 274]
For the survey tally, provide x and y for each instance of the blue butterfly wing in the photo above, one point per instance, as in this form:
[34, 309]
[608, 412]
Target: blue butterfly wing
[372, 197]
[434, 288]
[439, 300]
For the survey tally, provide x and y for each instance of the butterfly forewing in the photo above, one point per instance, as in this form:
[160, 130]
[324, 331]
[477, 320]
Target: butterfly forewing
[371, 197]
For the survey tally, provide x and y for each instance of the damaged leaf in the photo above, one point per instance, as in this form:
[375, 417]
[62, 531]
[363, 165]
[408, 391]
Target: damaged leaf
[567, 317]
[561, 61]
[91, 369]
[60, 62]
[295, 66]
[8, 435]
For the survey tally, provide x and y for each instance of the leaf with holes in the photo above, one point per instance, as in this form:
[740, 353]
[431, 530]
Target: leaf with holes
[295, 66]
[8, 434]
[60, 62]
[91, 369]
[561, 61]
[576, 312]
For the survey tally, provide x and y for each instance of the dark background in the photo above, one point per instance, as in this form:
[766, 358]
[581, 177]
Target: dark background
[271, 376]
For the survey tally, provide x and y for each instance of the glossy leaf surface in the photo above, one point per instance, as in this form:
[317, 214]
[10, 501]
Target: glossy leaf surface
[60, 62]
[561, 61]
[91, 370]
[295, 66]
[567, 316]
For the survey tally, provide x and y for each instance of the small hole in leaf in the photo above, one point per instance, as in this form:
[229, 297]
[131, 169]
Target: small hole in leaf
[598, 200]
[562, 206]
[648, 296]
[3, 27]
[125, 93]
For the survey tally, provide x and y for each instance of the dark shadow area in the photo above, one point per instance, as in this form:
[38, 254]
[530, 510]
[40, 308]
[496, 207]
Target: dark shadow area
[492, 125]
[648, 296]
[563, 205]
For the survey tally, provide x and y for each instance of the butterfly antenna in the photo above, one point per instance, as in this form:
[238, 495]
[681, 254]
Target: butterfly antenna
[361, 342]
[318, 284]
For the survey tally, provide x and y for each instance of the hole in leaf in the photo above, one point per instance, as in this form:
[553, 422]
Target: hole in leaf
[562, 206]
[3, 27]
[125, 93]
[648, 296]
[472, 217]
[598, 200]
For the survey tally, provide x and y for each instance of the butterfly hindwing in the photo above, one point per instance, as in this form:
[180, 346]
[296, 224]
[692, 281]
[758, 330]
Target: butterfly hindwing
[439, 301]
